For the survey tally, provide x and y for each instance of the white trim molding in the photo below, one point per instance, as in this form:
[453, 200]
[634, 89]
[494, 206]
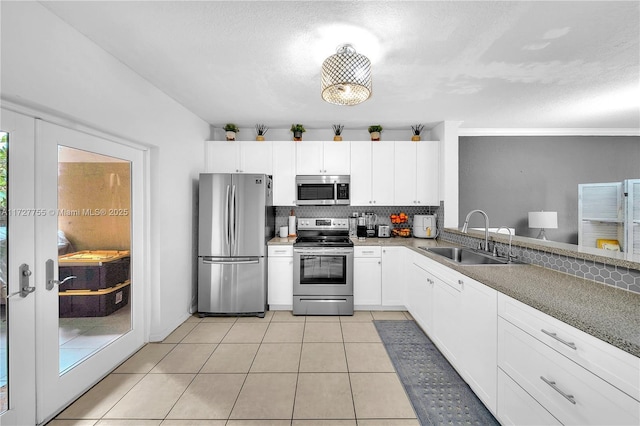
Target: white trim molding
[547, 132]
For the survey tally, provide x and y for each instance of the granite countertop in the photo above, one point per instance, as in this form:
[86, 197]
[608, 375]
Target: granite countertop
[608, 313]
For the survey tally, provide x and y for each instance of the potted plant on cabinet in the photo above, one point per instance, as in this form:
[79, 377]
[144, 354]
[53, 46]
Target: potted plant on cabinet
[337, 132]
[261, 130]
[375, 131]
[417, 129]
[231, 130]
[298, 130]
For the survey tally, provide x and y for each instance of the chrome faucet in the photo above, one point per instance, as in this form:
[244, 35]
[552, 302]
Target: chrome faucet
[465, 227]
[509, 255]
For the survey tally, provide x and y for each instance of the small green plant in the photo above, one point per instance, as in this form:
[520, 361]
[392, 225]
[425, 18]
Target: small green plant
[298, 128]
[417, 129]
[230, 127]
[375, 128]
[261, 129]
[337, 129]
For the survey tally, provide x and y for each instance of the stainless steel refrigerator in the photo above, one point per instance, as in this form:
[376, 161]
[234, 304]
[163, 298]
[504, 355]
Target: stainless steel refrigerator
[236, 219]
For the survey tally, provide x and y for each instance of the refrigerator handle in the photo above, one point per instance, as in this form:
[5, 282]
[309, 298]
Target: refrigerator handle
[231, 262]
[233, 219]
[226, 220]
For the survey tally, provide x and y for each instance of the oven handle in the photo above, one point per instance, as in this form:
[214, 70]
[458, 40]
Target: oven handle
[322, 251]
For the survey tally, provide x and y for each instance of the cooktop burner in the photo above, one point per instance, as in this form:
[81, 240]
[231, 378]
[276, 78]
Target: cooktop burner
[323, 232]
[323, 241]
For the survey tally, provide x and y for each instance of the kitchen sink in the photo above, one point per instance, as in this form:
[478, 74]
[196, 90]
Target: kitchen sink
[467, 256]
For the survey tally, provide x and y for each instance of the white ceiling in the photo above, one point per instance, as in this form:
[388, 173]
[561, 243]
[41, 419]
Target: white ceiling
[503, 64]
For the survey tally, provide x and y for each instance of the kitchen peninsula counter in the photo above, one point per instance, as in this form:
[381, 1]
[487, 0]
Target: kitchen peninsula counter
[605, 312]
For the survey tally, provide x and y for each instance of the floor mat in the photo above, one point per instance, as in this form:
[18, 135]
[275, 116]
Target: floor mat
[438, 394]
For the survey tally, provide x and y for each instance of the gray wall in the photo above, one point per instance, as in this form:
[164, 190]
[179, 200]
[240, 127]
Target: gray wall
[509, 176]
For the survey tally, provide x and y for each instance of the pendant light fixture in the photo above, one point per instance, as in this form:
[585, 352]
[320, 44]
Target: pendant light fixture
[346, 77]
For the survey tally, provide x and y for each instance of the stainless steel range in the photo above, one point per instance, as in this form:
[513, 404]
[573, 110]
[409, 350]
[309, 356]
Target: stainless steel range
[323, 268]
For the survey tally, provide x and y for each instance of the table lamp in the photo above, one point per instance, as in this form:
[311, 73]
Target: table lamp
[543, 220]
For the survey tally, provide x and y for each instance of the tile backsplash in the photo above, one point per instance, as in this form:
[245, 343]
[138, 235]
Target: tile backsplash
[282, 212]
[611, 275]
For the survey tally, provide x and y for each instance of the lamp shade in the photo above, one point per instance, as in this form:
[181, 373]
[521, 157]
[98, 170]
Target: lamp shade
[346, 77]
[544, 220]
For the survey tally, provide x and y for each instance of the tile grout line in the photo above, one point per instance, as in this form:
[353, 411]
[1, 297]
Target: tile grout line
[246, 376]
[295, 390]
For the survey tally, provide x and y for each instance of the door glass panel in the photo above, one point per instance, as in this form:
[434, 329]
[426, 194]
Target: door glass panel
[4, 318]
[94, 252]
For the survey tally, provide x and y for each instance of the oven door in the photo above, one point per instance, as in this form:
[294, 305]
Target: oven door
[323, 271]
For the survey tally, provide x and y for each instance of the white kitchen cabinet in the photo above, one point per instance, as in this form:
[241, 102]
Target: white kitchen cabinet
[361, 173]
[517, 407]
[459, 315]
[416, 173]
[323, 158]
[284, 173]
[239, 157]
[420, 294]
[372, 173]
[571, 393]
[479, 307]
[393, 276]
[280, 277]
[447, 321]
[612, 364]
[367, 270]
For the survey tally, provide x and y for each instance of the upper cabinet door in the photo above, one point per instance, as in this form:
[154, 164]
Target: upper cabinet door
[405, 176]
[361, 179]
[255, 157]
[428, 173]
[382, 175]
[337, 158]
[284, 173]
[222, 157]
[309, 158]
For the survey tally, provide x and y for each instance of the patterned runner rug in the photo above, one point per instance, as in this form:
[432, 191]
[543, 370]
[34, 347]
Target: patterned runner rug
[438, 394]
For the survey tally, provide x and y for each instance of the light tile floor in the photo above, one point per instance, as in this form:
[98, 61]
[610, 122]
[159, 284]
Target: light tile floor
[279, 370]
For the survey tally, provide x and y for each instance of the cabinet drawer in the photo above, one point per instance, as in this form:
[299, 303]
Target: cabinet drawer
[367, 251]
[614, 365]
[516, 407]
[275, 251]
[570, 393]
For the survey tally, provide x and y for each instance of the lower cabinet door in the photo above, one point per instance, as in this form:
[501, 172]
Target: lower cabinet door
[280, 292]
[516, 407]
[447, 321]
[367, 281]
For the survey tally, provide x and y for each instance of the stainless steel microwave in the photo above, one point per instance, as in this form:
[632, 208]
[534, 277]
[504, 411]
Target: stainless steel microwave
[318, 190]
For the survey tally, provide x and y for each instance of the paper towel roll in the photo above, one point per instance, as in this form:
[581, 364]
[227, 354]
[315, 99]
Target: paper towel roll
[292, 226]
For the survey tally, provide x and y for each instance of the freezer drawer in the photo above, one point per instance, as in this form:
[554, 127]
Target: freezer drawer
[232, 286]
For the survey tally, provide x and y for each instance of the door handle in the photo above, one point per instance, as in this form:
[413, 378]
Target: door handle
[25, 288]
[51, 282]
[25, 274]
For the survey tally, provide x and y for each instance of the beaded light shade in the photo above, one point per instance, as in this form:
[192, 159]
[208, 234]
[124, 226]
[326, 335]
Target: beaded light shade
[346, 77]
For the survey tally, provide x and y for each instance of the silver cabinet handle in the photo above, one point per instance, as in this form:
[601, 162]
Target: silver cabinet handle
[555, 336]
[51, 282]
[569, 398]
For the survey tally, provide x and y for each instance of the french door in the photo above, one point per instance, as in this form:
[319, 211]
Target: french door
[17, 260]
[82, 228]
